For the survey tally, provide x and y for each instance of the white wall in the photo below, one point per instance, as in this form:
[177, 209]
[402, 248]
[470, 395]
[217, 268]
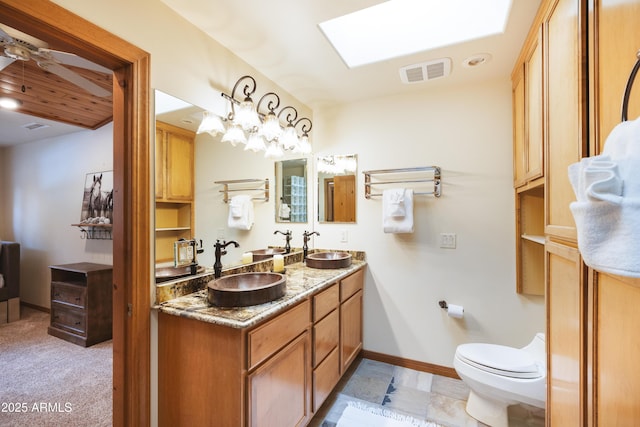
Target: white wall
[43, 186]
[467, 132]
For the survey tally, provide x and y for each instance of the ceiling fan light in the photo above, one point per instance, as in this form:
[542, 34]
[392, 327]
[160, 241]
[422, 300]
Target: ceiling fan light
[234, 135]
[9, 103]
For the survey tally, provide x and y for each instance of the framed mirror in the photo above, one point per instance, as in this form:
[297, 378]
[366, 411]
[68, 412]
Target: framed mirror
[337, 188]
[291, 191]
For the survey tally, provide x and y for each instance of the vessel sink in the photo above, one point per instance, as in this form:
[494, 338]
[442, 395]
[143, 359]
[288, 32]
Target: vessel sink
[262, 254]
[244, 289]
[164, 274]
[329, 260]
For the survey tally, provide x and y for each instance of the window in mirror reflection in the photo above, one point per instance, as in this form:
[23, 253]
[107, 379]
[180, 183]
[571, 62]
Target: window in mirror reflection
[291, 190]
[337, 188]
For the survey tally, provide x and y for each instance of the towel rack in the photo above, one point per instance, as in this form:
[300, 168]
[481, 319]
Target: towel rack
[627, 90]
[435, 178]
[263, 187]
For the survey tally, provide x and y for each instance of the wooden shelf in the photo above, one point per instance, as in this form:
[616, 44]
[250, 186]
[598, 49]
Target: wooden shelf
[533, 238]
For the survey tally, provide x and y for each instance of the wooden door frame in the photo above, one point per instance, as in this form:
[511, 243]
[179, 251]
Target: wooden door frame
[66, 31]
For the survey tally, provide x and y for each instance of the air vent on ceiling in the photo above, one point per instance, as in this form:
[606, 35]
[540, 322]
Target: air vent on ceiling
[34, 126]
[417, 73]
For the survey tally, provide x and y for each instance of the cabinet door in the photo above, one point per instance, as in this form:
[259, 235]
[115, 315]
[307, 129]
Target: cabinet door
[534, 136]
[518, 100]
[566, 111]
[616, 345]
[350, 330]
[280, 390]
[160, 163]
[566, 342]
[179, 173]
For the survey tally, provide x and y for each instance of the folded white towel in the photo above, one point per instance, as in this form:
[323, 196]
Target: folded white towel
[1, 281]
[240, 212]
[607, 206]
[397, 210]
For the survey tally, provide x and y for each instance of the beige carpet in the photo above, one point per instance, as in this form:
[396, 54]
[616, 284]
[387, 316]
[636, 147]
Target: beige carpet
[46, 381]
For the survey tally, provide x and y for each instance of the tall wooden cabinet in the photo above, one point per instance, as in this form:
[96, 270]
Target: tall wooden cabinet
[588, 50]
[175, 210]
[613, 381]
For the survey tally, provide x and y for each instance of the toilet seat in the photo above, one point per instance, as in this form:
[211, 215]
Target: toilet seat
[500, 360]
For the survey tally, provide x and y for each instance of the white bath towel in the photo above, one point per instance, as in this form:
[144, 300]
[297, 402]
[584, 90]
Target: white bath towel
[241, 212]
[397, 210]
[607, 206]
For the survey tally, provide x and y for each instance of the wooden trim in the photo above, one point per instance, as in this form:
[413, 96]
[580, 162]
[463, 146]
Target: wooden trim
[66, 31]
[411, 364]
[35, 307]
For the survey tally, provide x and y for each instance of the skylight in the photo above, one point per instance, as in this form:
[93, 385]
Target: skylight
[401, 27]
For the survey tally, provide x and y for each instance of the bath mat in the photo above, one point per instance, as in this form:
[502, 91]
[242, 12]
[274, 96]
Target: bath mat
[359, 415]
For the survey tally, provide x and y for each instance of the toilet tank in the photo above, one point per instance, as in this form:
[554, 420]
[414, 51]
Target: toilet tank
[537, 348]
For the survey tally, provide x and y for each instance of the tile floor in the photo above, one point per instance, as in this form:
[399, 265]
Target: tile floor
[419, 394]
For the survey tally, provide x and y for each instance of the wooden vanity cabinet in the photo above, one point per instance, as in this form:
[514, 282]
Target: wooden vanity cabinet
[351, 305]
[81, 303]
[276, 374]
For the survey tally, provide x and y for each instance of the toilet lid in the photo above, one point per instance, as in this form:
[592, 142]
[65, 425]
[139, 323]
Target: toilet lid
[499, 359]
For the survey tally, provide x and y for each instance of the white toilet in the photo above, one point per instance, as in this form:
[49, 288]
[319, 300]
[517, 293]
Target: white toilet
[499, 376]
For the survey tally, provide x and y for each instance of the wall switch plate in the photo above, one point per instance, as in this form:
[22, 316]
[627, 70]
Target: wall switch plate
[448, 240]
[344, 236]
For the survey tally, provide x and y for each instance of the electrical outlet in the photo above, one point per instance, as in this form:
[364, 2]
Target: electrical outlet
[448, 240]
[344, 236]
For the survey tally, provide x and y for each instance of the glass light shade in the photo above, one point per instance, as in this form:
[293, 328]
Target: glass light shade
[274, 150]
[211, 124]
[304, 147]
[289, 138]
[246, 115]
[271, 127]
[234, 135]
[255, 142]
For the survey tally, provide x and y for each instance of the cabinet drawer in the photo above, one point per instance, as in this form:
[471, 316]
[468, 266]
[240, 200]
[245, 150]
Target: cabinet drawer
[325, 377]
[326, 334]
[351, 284]
[276, 333]
[70, 320]
[65, 293]
[325, 302]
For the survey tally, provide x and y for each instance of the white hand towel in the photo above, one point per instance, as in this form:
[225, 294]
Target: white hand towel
[607, 206]
[240, 212]
[397, 210]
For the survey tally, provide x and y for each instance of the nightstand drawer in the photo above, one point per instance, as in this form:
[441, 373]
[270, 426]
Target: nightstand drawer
[70, 320]
[65, 293]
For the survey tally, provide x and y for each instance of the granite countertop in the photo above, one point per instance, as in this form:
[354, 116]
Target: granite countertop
[302, 281]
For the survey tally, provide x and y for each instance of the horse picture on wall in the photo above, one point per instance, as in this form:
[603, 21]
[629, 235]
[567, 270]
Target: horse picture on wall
[97, 201]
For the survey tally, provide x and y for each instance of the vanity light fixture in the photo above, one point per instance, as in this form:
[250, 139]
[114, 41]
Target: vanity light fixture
[260, 131]
[211, 124]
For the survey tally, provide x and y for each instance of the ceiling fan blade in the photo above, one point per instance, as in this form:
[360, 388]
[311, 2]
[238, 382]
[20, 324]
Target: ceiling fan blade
[74, 78]
[5, 62]
[67, 58]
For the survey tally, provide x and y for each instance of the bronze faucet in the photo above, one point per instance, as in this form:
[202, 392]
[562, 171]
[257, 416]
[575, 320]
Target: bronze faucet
[221, 250]
[287, 235]
[305, 247]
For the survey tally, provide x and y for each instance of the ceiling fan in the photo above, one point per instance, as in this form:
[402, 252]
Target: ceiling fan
[16, 45]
